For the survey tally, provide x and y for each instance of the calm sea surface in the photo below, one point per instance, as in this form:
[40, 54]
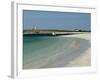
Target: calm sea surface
[47, 52]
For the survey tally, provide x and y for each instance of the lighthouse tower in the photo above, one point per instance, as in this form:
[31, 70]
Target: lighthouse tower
[34, 28]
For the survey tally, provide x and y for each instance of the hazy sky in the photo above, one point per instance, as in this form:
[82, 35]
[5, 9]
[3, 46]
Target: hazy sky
[56, 20]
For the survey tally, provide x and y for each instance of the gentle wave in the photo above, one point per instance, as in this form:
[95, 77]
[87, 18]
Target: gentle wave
[50, 52]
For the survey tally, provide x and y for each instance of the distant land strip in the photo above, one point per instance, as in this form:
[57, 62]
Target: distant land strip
[53, 31]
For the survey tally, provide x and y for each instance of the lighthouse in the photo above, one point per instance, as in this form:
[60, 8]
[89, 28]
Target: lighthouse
[34, 28]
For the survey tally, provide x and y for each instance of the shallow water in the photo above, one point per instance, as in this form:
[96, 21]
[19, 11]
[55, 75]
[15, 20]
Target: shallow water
[51, 52]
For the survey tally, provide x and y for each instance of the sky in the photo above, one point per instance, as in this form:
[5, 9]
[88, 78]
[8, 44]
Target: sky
[56, 20]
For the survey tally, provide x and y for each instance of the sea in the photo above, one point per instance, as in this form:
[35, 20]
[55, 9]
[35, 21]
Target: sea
[51, 51]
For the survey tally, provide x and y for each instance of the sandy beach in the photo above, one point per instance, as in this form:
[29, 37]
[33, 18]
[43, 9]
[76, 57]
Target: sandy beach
[84, 58]
[83, 36]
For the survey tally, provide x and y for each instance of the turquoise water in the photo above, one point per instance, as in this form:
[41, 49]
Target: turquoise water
[48, 52]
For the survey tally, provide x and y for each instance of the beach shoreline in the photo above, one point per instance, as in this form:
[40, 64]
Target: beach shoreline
[84, 58]
[60, 59]
[86, 36]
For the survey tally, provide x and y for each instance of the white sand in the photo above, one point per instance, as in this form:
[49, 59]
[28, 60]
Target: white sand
[86, 36]
[84, 59]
